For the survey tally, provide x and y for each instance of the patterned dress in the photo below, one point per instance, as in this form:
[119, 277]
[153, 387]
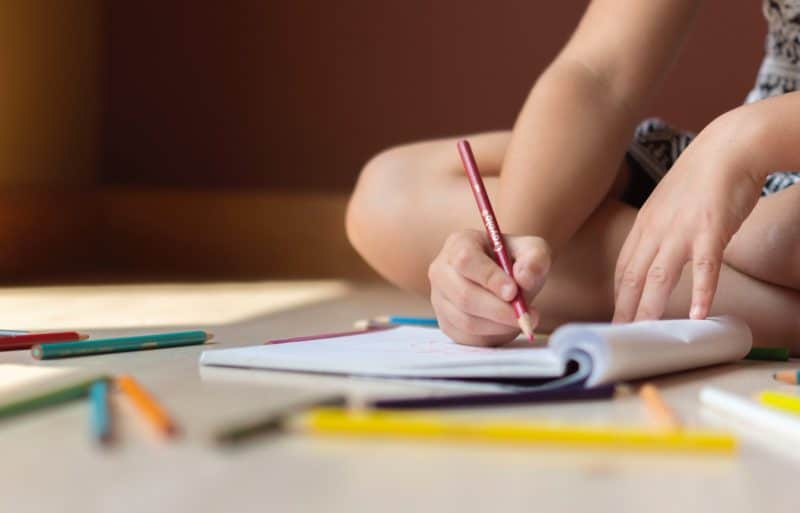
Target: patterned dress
[656, 145]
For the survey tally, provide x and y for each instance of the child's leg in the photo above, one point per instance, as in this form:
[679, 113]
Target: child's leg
[409, 199]
[767, 246]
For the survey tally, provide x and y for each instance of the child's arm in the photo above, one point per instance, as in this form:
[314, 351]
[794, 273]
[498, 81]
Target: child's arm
[563, 157]
[572, 132]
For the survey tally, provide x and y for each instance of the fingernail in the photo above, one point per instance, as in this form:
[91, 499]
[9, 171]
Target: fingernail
[507, 291]
[696, 312]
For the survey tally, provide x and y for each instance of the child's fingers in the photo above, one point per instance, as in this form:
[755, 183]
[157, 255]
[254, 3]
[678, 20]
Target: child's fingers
[470, 324]
[633, 281]
[467, 256]
[470, 339]
[624, 258]
[661, 278]
[706, 262]
[532, 262]
[474, 300]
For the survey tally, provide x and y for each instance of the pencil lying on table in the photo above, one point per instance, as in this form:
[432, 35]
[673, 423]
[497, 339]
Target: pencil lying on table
[8, 333]
[419, 426]
[495, 235]
[789, 377]
[28, 340]
[99, 412]
[147, 406]
[116, 345]
[657, 408]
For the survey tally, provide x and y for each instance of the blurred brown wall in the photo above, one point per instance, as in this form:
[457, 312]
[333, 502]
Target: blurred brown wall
[298, 94]
[49, 92]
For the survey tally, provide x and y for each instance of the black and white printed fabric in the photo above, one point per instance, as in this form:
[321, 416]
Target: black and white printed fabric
[656, 145]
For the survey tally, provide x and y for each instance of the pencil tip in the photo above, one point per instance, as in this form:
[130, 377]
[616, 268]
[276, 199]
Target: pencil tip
[526, 326]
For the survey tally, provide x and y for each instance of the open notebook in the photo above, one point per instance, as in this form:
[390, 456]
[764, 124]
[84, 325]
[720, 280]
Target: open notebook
[590, 354]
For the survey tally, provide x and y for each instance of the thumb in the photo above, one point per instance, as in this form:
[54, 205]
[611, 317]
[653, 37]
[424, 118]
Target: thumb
[531, 256]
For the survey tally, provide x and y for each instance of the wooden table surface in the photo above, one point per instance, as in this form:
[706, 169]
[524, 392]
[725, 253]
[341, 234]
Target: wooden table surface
[51, 464]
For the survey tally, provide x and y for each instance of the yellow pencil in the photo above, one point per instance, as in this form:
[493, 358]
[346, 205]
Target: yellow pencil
[780, 401]
[147, 405]
[410, 425]
[657, 408]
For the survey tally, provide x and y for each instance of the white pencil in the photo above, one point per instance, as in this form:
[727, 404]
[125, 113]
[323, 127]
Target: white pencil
[751, 412]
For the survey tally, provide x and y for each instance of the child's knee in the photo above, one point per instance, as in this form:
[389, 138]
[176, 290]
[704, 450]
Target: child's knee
[376, 206]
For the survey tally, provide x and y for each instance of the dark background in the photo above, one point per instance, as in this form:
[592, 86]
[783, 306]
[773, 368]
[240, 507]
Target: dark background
[213, 140]
[298, 94]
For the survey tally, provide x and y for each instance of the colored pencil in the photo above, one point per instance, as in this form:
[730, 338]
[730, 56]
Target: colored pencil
[28, 340]
[11, 333]
[494, 233]
[772, 354]
[273, 422]
[752, 413]
[320, 336]
[420, 426]
[121, 344]
[657, 408]
[789, 377]
[48, 394]
[402, 319]
[147, 405]
[780, 401]
[386, 321]
[99, 412]
[475, 400]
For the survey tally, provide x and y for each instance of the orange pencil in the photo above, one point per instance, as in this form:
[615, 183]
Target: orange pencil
[789, 377]
[658, 408]
[147, 405]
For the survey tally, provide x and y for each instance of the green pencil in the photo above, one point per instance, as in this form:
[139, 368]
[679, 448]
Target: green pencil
[48, 394]
[120, 344]
[775, 354]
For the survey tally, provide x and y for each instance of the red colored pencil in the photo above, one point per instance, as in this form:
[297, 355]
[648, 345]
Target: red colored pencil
[494, 233]
[28, 340]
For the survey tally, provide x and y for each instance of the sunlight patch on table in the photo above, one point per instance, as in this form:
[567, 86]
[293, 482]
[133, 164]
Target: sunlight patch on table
[163, 304]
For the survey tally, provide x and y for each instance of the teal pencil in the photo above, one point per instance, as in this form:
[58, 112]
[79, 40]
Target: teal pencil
[120, 344]
[99, 414]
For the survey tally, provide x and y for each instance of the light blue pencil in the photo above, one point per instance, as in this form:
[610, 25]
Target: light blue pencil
[11, 333]
[99, 414]
[416, 321]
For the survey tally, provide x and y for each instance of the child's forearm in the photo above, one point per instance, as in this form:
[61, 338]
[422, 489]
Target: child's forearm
[762, 136]
[564, 154]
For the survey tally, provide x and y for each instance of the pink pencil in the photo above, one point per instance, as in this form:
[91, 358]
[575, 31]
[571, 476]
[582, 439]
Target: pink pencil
[494, 233]
[306, 338]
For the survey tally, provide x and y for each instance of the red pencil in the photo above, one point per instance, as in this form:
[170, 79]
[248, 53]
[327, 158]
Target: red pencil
[28, 340]
[494, 233]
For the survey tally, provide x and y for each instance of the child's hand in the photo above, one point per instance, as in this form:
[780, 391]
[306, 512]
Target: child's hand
[691, 216]
[471, 294]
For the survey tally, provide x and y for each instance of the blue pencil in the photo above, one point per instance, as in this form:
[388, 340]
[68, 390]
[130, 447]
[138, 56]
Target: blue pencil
[416, 321]
[11, 333]
[99, 416]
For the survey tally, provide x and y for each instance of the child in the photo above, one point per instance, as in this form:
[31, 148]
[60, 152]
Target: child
[719, 233]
